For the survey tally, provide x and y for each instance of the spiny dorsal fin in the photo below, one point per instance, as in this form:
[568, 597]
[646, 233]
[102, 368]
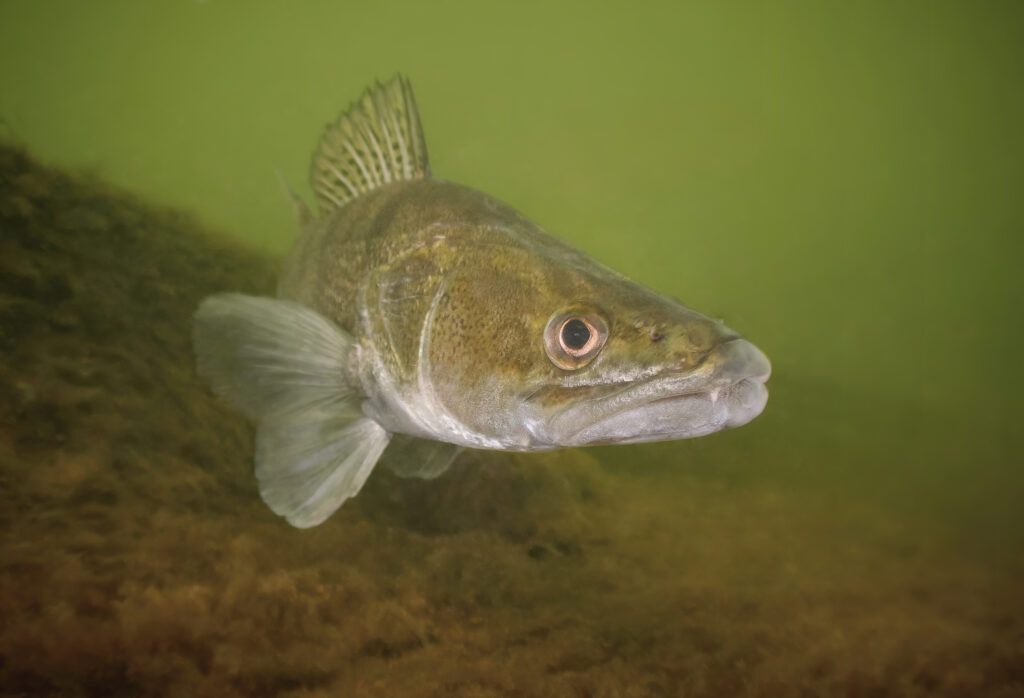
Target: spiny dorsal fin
[377, 141]
[299, 208]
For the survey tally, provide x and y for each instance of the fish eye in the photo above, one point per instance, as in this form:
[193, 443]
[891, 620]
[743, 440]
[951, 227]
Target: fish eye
[574, 337]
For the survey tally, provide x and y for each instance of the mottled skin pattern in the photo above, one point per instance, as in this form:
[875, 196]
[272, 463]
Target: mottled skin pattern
[447, 292]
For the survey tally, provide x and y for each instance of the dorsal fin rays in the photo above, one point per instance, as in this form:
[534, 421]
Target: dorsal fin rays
[378, 140]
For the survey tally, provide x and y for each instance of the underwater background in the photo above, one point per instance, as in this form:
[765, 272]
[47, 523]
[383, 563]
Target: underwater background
[841, 182]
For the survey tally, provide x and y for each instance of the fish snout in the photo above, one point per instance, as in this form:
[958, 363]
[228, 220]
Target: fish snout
[707, 347]
[735, 360]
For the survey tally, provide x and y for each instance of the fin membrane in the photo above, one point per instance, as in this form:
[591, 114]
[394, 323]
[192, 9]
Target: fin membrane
[308, 463]
[285, 366]
[408, 456]
[377, 141]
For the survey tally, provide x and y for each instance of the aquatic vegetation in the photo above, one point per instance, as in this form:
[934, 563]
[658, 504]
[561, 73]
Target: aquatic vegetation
[138, 560]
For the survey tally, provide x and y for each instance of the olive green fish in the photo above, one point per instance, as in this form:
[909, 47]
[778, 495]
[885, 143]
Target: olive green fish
[415, 317]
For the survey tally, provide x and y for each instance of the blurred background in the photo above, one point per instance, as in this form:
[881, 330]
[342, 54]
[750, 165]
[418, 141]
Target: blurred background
[840, 181]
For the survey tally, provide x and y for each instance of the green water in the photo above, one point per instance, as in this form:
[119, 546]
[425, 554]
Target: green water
[842, 182]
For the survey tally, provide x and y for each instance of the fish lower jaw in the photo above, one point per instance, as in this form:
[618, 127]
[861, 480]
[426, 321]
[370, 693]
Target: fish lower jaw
[678, 416]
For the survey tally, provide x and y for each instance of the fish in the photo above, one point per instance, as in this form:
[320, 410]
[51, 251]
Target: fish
[416, 317]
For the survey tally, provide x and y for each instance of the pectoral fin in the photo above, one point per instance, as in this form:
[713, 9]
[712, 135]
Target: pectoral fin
[407, 456]
[284, 365]
[308, 463]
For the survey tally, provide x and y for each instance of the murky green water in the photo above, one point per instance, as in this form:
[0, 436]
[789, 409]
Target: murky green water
[840, 182]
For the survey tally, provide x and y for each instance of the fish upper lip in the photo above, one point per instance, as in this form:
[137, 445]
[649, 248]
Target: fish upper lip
[731, 363]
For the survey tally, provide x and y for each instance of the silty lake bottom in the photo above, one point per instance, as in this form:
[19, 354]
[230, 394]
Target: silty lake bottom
[138, 559]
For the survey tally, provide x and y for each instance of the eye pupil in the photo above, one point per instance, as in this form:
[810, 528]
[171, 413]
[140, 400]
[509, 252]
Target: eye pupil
[575, 334]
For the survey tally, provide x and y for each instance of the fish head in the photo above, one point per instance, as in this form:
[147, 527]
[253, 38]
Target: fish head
[536, 349]
[665, 372]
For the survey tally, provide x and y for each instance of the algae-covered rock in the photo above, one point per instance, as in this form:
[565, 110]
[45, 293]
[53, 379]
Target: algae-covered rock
[138, 560]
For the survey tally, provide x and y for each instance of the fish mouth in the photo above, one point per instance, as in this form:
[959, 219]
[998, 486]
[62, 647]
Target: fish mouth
[726, 390]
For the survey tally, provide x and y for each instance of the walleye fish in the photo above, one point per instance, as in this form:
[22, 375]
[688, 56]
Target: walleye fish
[416, 317]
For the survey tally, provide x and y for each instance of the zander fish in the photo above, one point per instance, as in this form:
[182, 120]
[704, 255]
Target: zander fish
[415, 317]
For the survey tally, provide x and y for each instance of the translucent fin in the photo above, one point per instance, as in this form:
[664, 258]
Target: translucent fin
[377, 141]
[269, 356]
[286, 365]
[299, 208]
[408, 456]
[309, 462]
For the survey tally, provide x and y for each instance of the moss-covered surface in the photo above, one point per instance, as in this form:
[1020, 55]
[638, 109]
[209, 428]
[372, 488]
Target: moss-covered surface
[138, 560]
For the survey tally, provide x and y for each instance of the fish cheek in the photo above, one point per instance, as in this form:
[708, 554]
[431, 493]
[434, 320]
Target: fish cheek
[482, 348]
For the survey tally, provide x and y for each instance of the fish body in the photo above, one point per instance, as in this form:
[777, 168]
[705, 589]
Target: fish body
[416, 316]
